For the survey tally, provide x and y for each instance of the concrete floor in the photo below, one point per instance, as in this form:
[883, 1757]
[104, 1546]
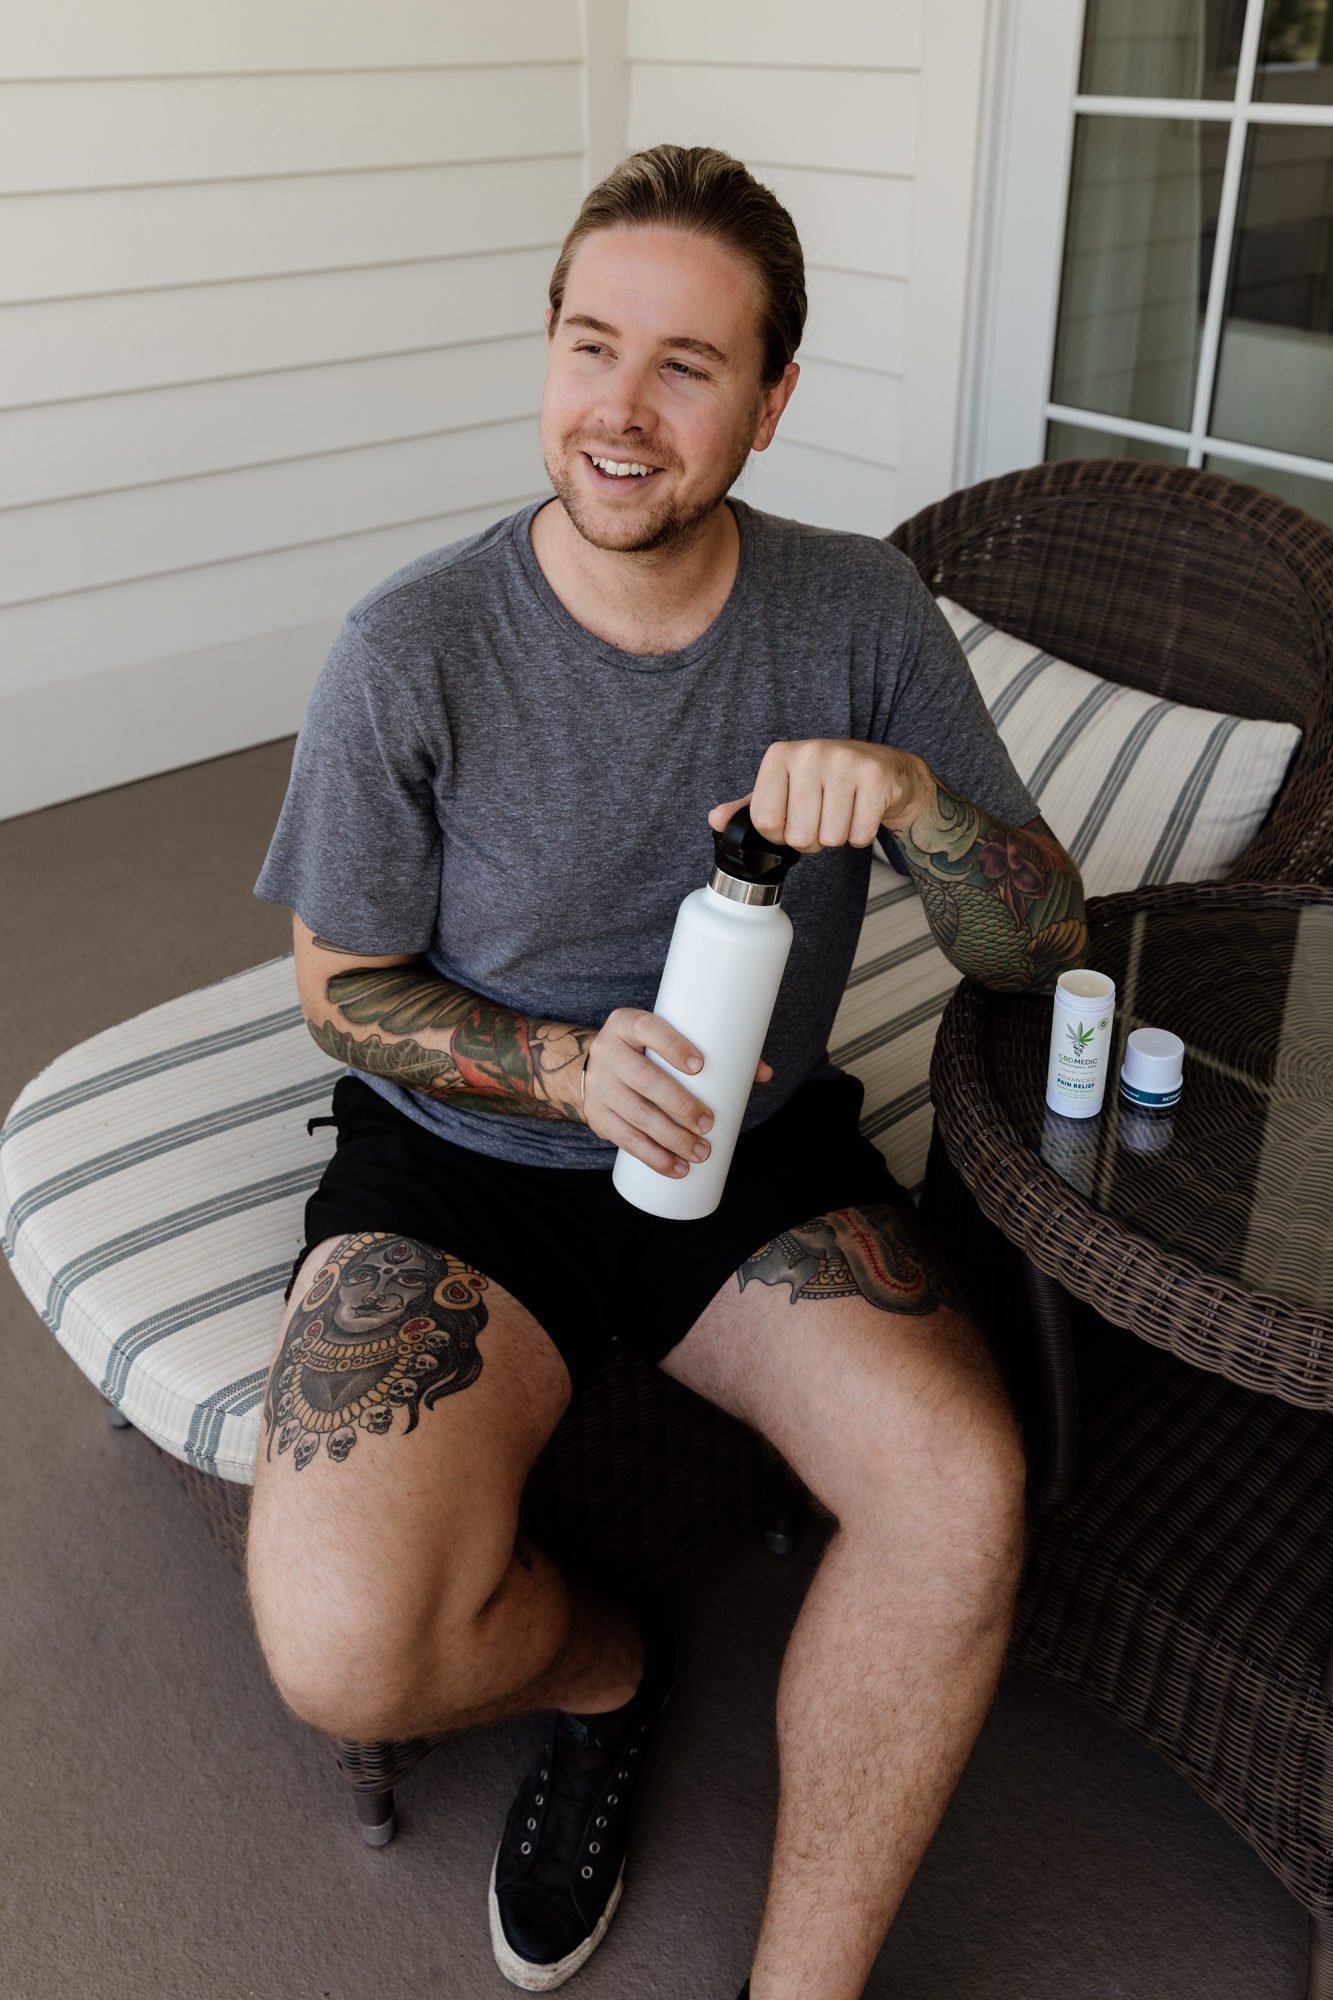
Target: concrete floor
[170, 1831]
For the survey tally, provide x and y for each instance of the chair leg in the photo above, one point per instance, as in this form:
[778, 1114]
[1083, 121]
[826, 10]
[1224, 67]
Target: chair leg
[1049, 1308]
[117, 1419]
[376, 1817]
[1319, 1980]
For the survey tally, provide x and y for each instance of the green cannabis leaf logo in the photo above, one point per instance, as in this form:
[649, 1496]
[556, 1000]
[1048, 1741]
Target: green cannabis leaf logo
[1079, 1035]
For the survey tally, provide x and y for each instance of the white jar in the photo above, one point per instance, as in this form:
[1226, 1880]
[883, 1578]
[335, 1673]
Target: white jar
[1080, 1052]
[719, 984]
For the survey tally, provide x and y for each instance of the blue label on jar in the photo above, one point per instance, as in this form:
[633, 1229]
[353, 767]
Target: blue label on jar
[1156, 1099]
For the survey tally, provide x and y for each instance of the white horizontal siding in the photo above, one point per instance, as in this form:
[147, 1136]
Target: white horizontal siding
[853, 411]
[856, 320]
[152, 132]
[75, 245]
[846, 34]
[271, 286]
[820, 486]
[104, 443]
[51, 353]
[82, 38]
[847, 222]
[844, 120]
[70, 545]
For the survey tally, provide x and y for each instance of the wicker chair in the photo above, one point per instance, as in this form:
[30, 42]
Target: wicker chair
[1182, 583]
[1188, 585]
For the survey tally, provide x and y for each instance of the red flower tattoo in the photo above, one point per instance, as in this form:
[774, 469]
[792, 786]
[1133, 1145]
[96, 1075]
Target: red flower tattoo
[1017, 865]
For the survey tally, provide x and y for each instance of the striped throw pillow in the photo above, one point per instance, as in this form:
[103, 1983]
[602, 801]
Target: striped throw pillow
[1136, 788]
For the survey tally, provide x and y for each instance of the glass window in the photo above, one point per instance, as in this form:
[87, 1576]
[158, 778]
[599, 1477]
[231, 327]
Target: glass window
[1138, 253]
[1162, 48]
[1296, 53]
[1312, 496]
[1275, 365]
[1077, 441]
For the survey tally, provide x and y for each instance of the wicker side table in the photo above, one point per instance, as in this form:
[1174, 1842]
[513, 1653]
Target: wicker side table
[1181, 1577]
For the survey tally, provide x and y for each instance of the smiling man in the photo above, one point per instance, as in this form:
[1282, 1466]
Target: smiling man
[504, 785]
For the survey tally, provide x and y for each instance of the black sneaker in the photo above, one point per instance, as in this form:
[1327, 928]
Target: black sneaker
[560, 1865]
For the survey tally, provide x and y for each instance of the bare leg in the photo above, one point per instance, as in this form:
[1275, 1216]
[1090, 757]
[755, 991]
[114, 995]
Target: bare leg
[843, 1344]
[885, 1685]
[408, 1399]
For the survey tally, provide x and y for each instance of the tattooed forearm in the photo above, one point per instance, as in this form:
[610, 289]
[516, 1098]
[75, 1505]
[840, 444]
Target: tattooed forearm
[478, 1052]
[386, 1324]
[875, 1252]
[1005, 902]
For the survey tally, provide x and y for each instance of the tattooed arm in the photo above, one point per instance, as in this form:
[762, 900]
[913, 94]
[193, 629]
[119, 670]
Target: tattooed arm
[1005, 902]
[392, 1016]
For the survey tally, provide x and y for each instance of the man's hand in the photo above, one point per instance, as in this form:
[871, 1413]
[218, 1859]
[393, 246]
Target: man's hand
[824, 793]
[640, 1107]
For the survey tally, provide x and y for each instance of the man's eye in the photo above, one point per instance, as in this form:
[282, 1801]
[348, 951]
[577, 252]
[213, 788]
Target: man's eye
[589, 347]
[696, 374]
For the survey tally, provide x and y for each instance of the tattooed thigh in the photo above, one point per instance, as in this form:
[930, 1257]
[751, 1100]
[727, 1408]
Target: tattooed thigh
[878, 1252]
[385, 1327]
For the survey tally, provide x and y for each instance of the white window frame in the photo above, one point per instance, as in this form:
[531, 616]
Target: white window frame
[1031, 101]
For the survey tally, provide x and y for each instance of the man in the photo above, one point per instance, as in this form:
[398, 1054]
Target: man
[503, 787]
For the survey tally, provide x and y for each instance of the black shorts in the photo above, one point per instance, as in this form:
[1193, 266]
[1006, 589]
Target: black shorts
[589, 1266]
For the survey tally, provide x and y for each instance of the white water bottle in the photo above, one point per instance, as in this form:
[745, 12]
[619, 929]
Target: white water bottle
[723, 969]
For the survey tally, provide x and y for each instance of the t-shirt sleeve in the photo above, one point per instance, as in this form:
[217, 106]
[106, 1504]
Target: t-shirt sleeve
[356, 851]
[935, 708]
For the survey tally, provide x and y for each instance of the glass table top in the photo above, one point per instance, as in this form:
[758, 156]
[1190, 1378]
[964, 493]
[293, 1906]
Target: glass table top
[1239, 1177]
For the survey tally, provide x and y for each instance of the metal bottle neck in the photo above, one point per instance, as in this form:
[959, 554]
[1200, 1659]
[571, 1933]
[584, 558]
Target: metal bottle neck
[736, 891]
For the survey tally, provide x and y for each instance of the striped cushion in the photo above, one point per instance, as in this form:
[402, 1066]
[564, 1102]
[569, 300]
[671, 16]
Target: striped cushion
[152, 1183]
[1136, 788]
[153, 1180]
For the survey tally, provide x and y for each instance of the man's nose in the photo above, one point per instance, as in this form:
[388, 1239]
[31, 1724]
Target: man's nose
[626, 402]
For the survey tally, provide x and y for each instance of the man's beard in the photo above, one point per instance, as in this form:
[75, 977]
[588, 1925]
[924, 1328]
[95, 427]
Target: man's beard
[658, 528]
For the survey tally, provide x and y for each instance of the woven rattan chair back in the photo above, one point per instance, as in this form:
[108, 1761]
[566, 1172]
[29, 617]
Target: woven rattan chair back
[1179, 582]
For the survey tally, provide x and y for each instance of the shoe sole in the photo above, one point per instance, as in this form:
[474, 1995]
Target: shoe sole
[545, 1978]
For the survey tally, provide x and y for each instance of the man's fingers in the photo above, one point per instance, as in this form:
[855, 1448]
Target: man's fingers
[650, 1031]
[720, 816]
[769, 802]
[631, 1140]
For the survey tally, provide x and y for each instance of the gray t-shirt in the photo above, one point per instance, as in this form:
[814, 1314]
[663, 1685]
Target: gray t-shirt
[481, 780]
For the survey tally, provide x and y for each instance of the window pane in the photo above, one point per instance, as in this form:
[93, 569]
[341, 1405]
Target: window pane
[1296, 53]
[1275, 366]
[1312, 496]
[1143, 204]
[1076, 441]
[1161, 48]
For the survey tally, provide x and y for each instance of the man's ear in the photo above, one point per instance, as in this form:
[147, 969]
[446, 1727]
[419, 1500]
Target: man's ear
[550, 321]
[775, 400]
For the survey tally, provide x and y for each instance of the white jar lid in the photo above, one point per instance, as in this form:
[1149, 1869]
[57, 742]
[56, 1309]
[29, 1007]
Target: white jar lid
[1154, 1060]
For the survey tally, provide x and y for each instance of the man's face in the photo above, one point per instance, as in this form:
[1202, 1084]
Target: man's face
[654, 362]
[379, 1287]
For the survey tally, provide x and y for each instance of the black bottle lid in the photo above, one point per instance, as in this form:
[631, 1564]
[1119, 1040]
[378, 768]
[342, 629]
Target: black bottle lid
[747, 855]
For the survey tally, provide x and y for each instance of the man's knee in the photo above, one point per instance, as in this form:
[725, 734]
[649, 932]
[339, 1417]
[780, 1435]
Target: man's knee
[368, 1656]
[941, 1469]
